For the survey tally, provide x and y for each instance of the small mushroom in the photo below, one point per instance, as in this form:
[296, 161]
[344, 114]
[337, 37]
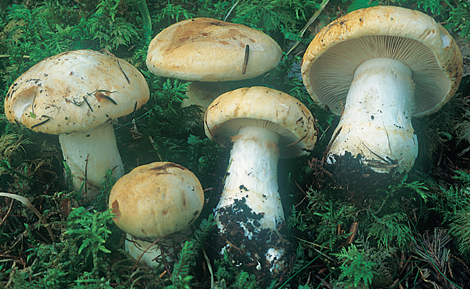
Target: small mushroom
[209, 52]
[154, 201]
[76, 95]
[263, 124]
[379, 67]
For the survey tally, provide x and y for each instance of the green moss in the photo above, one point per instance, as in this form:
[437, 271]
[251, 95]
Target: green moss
[339, 234]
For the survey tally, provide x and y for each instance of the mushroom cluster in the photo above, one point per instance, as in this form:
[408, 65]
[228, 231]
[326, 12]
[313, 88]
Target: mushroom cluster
[376, 68]
[379, 67]
[76, 95]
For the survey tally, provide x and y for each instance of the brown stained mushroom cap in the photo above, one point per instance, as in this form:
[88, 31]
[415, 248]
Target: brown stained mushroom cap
[210, 50]
[75, 91]
[267, 108]
[155, 200]
[411, 37]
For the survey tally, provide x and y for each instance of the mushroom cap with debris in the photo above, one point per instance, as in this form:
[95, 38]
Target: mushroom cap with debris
[409, 36]
[267, 108]
[75, 91]
[210, 50]
[156, 200]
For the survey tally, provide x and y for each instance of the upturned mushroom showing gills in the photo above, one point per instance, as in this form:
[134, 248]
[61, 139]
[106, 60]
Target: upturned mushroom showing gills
[156, 201]
[76, 95]
[379, 67]
[210, 52]
[263, 124]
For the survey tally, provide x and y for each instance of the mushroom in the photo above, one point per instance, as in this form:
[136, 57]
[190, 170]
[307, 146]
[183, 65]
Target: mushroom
[154, 201]
[263, 124]
[76, 95]
[209, 52]
[377, 67]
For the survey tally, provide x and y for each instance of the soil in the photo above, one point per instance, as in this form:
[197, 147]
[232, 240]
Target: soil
[250, 252]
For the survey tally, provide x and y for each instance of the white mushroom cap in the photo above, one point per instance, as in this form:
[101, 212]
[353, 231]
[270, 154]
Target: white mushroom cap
[210, 50]
[155, 200]
[267, 108]
[411, 37]
[75, 91]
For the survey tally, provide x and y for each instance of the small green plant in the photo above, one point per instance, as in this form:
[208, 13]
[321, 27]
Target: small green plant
[360, 4]
[459, 229]
[452, 204]
[78, 258]
[91, 230]
[100, 202]
[172, 13]
[459, 19]
[286, 16]
[390, 230]
[180, 276]
[228, 276]
[357, 270]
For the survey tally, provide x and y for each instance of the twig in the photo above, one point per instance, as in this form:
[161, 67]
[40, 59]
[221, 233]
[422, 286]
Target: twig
[353, 232]
[318, 251]
[146, 249]
[7, 55]
[310, 21]
[305, 194]
[7, 214]
[245, 60]
[231, 9]
[328, 147]
[28, 204]
[209, 267]
[144, 13]
[41, 123]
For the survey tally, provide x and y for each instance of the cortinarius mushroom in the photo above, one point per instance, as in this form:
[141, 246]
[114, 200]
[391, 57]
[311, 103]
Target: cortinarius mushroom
[263, 124]
[209, 51]
[154, 201]
[378, 67]
[76, 95]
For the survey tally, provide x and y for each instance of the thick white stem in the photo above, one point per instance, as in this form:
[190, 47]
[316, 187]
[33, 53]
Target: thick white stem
[152, 254]
[252, 176]
[91, 154]
[136, 249]
[376, 122]
[249, 212]
[204, 93]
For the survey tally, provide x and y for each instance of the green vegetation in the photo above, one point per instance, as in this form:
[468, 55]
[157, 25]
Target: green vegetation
[415, 232]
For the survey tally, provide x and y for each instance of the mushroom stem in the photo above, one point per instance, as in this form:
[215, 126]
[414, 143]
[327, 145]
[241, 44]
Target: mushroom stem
[143, 251]
[250, 202]
[90, 155]
[155, 253]
[376, 121]
[204, 93]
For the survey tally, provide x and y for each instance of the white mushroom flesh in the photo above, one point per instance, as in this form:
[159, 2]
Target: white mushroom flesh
[144, 251]
[155, 253]
[89, 155]
[252, 176]
[376, 121]
[252, 179]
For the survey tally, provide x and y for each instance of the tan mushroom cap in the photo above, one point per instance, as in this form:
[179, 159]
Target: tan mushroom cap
[75, 91]
[210, 50]
[409, 36]
[155, 200]
[267, 108]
